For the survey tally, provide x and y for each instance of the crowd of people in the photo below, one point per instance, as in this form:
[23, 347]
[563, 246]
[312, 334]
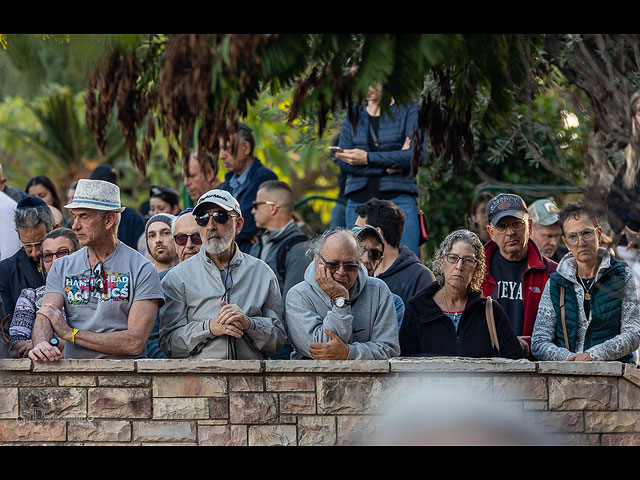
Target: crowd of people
[237, 276]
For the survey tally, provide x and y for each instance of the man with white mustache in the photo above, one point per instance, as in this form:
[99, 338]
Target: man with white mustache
[221, 303]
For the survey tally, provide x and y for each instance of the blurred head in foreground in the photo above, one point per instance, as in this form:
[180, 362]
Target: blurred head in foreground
[454, 416]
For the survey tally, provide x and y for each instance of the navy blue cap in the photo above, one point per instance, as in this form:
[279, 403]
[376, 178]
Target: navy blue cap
[30, 202]
[505, 205]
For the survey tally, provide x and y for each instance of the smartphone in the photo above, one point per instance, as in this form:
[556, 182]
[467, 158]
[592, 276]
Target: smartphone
[335, 149]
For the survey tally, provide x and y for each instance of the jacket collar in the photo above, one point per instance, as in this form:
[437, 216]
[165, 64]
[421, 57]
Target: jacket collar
[276, 236]
[255, 163]
[431, 311]
[236, 259]
[567, 266]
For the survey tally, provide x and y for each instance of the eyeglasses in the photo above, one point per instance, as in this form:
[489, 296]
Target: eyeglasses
[48, 257]
[335, 266]
[182, 239]
[516, 226]
[375, 254]
[268, 202]
[586, 235]
[219, 216]
[466, 261]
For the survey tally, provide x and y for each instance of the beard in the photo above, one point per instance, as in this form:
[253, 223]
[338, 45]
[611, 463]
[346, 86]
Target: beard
[215, 246]
[166, 256]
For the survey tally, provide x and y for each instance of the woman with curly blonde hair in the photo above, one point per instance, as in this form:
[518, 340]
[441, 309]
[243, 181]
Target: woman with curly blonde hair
[448, 318]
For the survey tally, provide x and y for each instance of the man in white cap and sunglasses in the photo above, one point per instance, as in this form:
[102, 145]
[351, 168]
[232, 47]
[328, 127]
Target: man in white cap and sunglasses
[221, 303]
[110, 293]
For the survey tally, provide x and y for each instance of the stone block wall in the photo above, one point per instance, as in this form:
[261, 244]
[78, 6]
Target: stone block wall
[285, 402]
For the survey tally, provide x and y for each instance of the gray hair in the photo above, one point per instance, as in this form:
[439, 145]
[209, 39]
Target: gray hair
[461, 235]
[316, 243]
[116, 224]
[28, 218]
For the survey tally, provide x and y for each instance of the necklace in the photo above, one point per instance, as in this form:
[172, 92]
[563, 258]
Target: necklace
[587, 294]
[452, 311]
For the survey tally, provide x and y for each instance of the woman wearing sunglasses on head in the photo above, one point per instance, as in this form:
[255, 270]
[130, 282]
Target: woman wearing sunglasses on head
[451, 317]
[57, 243]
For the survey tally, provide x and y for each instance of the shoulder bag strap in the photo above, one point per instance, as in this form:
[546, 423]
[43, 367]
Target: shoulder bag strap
[563, 320]
[491, 324]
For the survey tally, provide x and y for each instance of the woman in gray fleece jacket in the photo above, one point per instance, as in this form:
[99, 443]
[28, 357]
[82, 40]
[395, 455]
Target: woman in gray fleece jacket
[363, 318]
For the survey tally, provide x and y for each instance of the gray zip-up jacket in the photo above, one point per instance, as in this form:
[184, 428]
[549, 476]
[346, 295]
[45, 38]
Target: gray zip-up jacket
[193, 291]
[369, 325]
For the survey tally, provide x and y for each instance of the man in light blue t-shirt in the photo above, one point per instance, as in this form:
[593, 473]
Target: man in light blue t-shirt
[110, 293]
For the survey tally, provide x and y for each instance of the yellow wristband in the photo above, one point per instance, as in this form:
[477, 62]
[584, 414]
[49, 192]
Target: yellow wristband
[73, 335]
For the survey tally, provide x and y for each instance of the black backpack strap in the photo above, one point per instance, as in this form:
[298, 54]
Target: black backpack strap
[283, 250]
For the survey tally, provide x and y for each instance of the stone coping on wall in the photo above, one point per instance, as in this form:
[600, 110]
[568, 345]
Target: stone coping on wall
[298, 402]
[394, 365]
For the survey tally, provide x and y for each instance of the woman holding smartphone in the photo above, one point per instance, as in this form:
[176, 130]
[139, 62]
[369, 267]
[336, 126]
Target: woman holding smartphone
[376, 155]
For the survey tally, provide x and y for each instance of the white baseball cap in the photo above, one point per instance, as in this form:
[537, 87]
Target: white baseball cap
[222, 198]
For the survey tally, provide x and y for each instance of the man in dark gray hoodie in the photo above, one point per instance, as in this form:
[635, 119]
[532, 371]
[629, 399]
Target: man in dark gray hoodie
[400, 269]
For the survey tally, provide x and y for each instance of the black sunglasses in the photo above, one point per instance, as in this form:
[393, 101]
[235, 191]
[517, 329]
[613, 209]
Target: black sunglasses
[335, 266]
[374, 253]
[182, 239]
[219, 216]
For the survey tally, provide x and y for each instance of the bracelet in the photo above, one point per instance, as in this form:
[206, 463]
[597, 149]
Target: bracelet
[73, 335]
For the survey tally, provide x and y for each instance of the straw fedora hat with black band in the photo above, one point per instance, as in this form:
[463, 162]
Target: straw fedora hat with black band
[96, 195]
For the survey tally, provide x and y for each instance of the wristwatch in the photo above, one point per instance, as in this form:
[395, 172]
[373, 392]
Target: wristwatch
[341, 302]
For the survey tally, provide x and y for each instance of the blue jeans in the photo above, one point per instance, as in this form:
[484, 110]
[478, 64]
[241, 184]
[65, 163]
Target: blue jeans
[409, 206]
[337, 215]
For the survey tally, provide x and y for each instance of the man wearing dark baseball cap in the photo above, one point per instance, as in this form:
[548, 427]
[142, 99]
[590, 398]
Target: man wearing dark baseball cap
[516, 270]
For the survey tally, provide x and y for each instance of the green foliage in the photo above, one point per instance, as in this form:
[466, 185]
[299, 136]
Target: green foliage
[483, 101]
[295, 152]
[29, 62]
[535, 148]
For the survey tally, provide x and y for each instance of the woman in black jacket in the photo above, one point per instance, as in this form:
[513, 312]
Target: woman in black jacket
[448, 317]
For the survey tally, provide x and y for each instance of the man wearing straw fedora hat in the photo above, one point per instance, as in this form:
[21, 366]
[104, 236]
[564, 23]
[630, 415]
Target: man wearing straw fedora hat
[110, 293]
